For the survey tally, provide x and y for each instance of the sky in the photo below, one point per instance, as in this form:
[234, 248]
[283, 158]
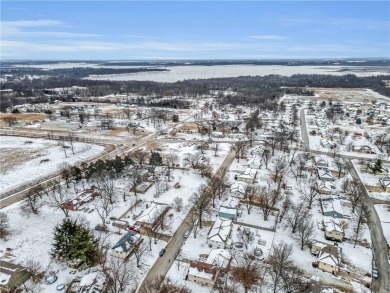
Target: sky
[135, 30]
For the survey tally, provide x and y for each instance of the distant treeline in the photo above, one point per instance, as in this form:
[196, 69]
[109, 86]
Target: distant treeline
[258, 90]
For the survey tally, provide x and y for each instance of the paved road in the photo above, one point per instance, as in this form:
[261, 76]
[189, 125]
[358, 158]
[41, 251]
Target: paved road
[379, 243]
[162, 265]
[382, 284]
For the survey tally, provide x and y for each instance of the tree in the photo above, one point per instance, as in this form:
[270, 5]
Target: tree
[106, 187]
[297, 214]
[121, 275]
[355, 193]
[305, 232]
[175, 118]
[193, 160]
[240, 148]
[4, 224]
[35, 269]
[135, 180]
[155, 159]
[205, 169]
[33, 201]
[74, 241]
[171, 160]
[216, 149]
[251, 192]
[59, 197]
[280, 262]
[178, 204]
[65, 171]
[278, 171]
[268, 198]
[200, 201]
[308, 190]
[103, 207]
[339, 162]
[247, 273]
[358, 220]
[286, 206]
[139, 156]
[140, 252]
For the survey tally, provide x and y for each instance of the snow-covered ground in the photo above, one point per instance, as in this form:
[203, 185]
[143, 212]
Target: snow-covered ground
[177, 73]
[384, 216]
[22, 163]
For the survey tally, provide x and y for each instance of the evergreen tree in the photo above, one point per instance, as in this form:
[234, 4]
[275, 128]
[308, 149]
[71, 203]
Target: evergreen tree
[175, 118]
[155, 159]
[73, 241]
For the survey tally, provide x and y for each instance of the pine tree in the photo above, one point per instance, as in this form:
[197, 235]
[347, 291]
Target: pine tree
[73, 241]
[155, 159]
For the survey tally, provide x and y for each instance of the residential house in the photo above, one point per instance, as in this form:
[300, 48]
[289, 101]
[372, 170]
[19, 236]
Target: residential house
[385, 183]
[220, 258]
[80, 199]
[321, 162]
[153, 215]
[202, 273]
[329, 259]
[333, 229]
[228, 213]
[12, 276]
[316, 247]
[325, 174]
[327, 144]
[217, 134]
[254, 162]
[238, 189]
[325, 187]
[365, 149]
[219, 233]
[93, 283]
[248, 176]
[331, 207]
[126, 244]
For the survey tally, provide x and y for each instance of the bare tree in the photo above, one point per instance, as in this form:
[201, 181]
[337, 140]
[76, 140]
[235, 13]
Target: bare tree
[308, 190]
[278, 171]
[103, 207]
[9, 120]
[106, 186]
[135, 180]
[200, 201]
[171, 160]
[140, 156]
[104, 247]
[193, 160]
[35, 269]
[280, 261]
[71, 138]
[268, 198]
[339, 162]
[192, 222]
[247, 273]
[266, 156]
[33, 201]
[178, 204]
[140, 252]
[59, 197]
[355, 194]
[251, 193]
[305, 232]
[205, 169]
[246, 237]
[4, 224]
[240, 148]
[346, 184]
[286, 206]
[297, 214]
[216, 149]
[121, 276]
[358, 220]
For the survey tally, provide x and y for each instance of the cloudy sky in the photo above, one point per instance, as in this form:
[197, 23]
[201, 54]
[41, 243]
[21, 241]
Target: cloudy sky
[115, 30]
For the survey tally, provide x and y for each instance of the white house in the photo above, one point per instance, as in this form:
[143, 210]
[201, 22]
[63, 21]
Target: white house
[331, 207]
[321, 162]
[254, 162]
[219, 257]
[126, 244]
[325, 174]
[325, 187]
[219, 233]
[329, 259]
[238, 189]
[248, 176]
[333, 229]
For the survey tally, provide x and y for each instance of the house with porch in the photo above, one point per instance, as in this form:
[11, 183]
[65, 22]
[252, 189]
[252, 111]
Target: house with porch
[248, 176]
[219, 233]
[125, 245]
[333, 229]
[238, 189]
[325, 174]
[329, 259]
[331, 207]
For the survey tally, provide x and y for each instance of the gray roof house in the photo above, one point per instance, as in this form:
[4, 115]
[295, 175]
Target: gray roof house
[126, 244]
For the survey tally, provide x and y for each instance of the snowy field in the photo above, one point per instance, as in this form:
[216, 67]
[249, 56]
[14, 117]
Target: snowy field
[21, 162]
[218, 71]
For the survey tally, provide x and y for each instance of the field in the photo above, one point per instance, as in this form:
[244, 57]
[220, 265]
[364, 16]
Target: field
[26, 162]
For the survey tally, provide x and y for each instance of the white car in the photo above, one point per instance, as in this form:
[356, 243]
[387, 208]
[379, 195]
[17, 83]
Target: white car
[186, 234]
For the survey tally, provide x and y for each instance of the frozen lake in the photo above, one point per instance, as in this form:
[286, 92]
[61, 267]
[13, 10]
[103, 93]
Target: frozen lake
[178, 73]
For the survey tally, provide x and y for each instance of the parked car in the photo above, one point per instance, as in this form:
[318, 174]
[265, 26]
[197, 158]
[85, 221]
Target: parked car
[375, 273]
[50, 279]
[162, 252]
[186, 234]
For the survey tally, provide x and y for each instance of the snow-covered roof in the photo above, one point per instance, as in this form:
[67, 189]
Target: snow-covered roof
[151, 213]
[197, 271]
[332, 224]
[238, 187]
[249, 173]
[321, 161]
[220, 230]
[330, 255]
[127, 242]
[325, 185]
[385, 181]
[325, 173]
[232, 211]
[231, 202]
[219, 257]
[332, 205]
[92, 282]
[254, 160]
